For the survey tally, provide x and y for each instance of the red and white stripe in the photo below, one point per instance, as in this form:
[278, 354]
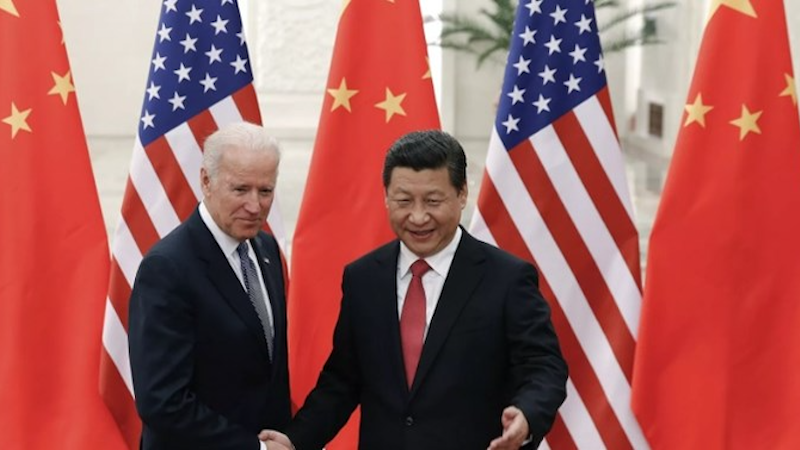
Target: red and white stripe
[560, 200]
[163, 189]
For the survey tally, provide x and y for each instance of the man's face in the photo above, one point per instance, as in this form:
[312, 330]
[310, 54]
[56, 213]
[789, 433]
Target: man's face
[240, 195]
[424, 208]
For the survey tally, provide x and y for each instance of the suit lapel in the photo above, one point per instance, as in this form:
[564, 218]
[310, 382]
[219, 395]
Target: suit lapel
[265, 264]
[222, 276]
[465, 273]
[276, 296]
[384, 285]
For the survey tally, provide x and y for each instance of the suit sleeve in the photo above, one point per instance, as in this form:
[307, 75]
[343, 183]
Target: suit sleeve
[162, 345]
[336, 395]
[538, 372]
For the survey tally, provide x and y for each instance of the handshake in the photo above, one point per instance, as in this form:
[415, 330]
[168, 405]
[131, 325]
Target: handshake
[275, 440]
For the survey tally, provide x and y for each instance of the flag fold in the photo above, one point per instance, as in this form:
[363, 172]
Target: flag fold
[719, 345]
[554, 193]
[54, 258]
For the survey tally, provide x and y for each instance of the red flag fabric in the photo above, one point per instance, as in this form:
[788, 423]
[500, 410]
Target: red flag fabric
[53, 246]
[190, 93]
[554, 193]
[719, 343]
[379, 88]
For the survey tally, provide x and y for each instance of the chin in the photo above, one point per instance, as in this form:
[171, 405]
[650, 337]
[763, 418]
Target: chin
[246, 234]
[421, 252]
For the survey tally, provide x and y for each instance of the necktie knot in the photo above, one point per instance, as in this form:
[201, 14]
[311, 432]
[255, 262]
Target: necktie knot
[419, 268]
[241, 249]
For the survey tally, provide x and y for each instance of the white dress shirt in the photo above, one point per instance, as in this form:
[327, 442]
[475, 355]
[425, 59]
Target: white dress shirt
[432, 280]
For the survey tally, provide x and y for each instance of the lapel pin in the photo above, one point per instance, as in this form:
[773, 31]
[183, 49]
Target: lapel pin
[266, 260]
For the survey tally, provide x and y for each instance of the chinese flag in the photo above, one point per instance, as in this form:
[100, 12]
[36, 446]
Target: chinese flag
[719, 345]
[379, 88]
[53, 249]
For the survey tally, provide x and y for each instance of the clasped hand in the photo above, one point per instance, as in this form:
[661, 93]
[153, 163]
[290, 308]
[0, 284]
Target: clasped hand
[275, 440]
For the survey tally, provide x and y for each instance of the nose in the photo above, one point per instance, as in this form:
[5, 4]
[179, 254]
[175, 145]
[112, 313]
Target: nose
[418, 215]
[251, 203]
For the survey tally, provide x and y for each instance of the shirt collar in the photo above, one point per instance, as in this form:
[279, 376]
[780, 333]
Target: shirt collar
[439, 262]
[227, 243]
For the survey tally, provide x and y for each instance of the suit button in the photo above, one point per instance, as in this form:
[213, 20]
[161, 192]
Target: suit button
[409, 421]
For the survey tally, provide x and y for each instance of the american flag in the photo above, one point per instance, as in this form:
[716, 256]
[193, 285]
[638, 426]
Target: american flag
[200, 79]
[554, 193]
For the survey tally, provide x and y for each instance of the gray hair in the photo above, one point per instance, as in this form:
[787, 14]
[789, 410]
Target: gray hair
[240, 134]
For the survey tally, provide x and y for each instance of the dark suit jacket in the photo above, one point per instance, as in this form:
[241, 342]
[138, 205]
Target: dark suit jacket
[490, 345]
[201, 372]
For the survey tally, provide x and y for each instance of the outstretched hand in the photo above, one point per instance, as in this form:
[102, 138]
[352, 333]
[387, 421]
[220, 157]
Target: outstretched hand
[515, 430]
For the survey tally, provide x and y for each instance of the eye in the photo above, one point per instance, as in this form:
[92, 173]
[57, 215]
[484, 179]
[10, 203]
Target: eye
[433, 201]
[403, 202]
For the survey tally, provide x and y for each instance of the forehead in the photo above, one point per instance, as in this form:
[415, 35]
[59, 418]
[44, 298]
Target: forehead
[236, 158]
[406, 179]
[260, 169]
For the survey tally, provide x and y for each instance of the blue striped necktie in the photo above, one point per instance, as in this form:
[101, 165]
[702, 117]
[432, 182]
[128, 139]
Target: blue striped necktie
[253, 288]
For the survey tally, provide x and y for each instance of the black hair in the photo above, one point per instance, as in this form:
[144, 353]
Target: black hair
[427, 149]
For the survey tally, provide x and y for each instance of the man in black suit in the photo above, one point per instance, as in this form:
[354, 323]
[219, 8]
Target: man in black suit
[207, 327]
[444, 341]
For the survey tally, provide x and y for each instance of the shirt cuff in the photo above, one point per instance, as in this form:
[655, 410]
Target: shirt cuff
[263, 445]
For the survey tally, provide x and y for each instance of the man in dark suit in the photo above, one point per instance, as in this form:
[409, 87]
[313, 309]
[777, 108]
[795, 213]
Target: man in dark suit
[444, 341]
[207, 325]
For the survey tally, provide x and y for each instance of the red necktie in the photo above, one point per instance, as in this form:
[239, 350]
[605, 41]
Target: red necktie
[412, 320]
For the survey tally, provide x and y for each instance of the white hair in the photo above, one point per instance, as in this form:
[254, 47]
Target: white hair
[244, 135]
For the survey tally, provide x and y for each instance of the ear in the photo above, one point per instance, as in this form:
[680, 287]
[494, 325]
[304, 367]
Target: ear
[205, 181]
[462, 196]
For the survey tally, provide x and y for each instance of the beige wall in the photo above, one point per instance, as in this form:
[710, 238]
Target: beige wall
[109, 45]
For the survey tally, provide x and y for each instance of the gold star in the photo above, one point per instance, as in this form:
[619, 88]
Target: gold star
[17, 120]
[392, 105]
[8, 6]
[342, 96]
[743, 6]
[345, 4]
[427, 74]
[747, 123]
[63, 86]
[791, 89]
[696, 112]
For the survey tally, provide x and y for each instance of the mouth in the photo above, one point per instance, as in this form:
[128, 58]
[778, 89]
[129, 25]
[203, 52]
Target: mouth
[250, 222]
[420, 234]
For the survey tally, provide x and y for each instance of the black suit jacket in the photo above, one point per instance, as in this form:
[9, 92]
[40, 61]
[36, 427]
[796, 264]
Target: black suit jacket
[201, 372]
[490, 344]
